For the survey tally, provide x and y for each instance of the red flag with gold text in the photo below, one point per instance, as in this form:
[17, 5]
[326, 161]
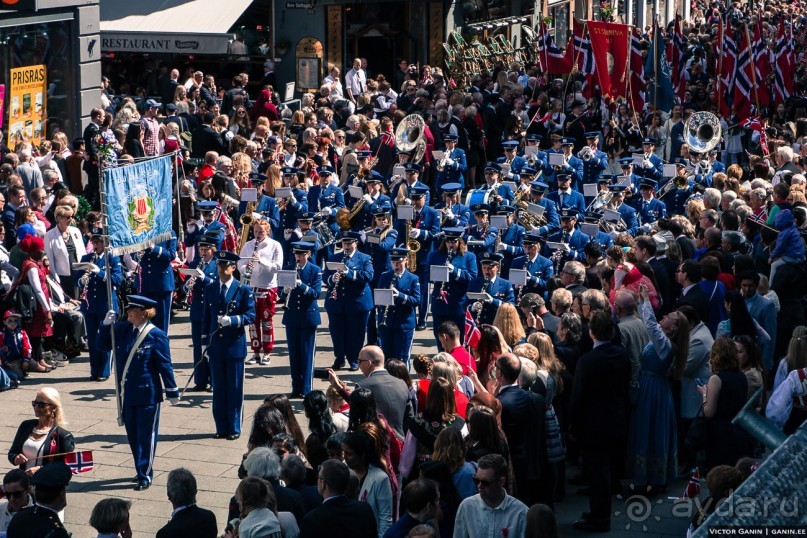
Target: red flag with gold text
[610, 43]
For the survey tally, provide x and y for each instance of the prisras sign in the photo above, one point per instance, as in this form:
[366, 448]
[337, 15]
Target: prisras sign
[18, 5]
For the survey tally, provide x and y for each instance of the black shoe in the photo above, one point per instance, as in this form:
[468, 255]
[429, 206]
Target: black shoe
[209, 388]
[295, 396]
[220, 436]
[134, 479]
[589, 525]
[93, 378]
[102, 379]
[420, 327]
[353, 367]
[233, 436]
[198, 388]
[142, 485]
[336, 366]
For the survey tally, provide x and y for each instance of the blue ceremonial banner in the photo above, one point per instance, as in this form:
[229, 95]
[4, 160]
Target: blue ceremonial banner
[138, 205]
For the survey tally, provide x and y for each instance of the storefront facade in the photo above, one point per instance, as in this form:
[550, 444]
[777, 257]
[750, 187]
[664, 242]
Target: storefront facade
[50, 68]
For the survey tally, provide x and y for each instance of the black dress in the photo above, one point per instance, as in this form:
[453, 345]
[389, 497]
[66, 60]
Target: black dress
[726, 442]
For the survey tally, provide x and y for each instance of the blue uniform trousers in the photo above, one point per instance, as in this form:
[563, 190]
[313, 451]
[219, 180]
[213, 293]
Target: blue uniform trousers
[347, 332]
[372, 328]
[164, 299]
[301, 342]
[141, 423]
[99, 360]
[438, 320]
[228, 395]
[423, 309]
[396, 343]
[201, 374]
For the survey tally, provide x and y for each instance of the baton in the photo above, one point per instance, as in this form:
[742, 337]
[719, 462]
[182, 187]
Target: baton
[205, 357]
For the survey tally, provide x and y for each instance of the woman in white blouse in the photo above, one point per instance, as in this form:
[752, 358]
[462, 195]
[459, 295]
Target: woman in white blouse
[64, 246]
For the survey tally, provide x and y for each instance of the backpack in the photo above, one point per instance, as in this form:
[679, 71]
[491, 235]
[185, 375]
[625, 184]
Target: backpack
[21, 299]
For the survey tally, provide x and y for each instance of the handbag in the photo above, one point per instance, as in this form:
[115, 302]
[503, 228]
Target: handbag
[697, 433]
[408, 453]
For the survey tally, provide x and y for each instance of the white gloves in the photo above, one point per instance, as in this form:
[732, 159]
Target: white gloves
[327, 211]
[367, 198]
[200, 273]
[191, 227]
[488, 299]
[334, 181]
[450, 267]
[298, 283]
[94, 269]
[224, 321]
[109, 319]
[407, 201]
[363, 236]
[173, 401]
[449, 161]
[395, 292]
[501, 247]
[287, 234]
[204, 350]
[414, 233]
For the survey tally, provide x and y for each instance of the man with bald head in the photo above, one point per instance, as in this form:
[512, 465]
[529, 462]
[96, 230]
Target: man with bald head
[391, 394]
[633, 336]
[525, 435]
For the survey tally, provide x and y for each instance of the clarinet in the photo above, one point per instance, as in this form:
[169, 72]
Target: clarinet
[299, 277]
[337, 282]
[385, 316]
[85, 280]
[476, 309]
[444, 285]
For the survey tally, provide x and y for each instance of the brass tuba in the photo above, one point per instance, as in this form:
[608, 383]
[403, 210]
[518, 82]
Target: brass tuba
[702, 132]
[409, 136]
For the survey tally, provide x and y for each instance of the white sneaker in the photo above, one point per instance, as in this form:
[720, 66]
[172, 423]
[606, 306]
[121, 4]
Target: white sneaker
[254, 360]
[265, 360]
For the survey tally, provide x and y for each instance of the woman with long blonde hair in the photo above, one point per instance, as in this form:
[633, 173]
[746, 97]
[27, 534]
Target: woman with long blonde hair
[796, 356]
[509, 324]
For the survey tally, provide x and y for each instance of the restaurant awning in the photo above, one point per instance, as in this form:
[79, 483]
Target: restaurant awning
[172, 26]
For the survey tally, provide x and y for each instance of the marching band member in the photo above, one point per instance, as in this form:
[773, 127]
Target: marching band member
[260, 260]
[229, 306]
[540, 269]
[452, 212]
[481, 237]
[499, 194]
[208, 223]
[326, 197]
[374, 200]
[498, 289]
[650, 208]
[627, 213]
[549, 170]
[652, 167]
[349, 301]
[205, 266]
[626, 163]
[451, 168]
[510, 241]
[425, 225]
[301, 318]
[155, 278]
[572, 165]
[516, 162]
[676, 199]
[143, 366]
[565, 197]
[525, 176]
[396, 327]
[291, 207]
[597, 163]
[448, 298]
[536, 161]
[378, 242]
[570, 235]
[537, 190]
[411, 179]
[95, 302]
[603, 239]
[266, 204]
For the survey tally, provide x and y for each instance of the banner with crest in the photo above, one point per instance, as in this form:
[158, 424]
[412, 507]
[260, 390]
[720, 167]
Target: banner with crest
[138, 204]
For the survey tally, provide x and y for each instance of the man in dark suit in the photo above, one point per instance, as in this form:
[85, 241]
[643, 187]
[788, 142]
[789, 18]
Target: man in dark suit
[688, 276]
[525, 435]
[338, 516]
[42, 519]
[645, 251]
[598, 412]
[206, 139]
[391, 394]
[187, 519]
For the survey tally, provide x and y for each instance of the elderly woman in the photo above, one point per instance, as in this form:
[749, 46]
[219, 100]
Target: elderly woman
[41, 326]
[110, 517]
[257, 520]
[64, 246]
[39, 437]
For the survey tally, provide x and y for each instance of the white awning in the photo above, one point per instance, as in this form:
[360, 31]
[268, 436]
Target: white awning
[173, 26]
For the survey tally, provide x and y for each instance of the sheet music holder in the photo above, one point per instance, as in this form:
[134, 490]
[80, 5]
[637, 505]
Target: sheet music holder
[382, 297]
[518, 277]
[249, 195]
[286, 279]
[438, 273]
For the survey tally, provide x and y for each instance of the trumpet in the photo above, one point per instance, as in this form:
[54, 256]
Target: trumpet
[586, 154]
[441, 164]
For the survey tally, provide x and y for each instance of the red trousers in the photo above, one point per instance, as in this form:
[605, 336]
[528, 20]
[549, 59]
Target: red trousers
[262, 332]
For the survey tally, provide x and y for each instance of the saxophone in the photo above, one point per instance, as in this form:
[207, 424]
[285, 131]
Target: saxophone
[246, 224]
[413, 245]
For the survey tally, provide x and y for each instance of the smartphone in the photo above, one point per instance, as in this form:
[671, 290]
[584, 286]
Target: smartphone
[320, 373]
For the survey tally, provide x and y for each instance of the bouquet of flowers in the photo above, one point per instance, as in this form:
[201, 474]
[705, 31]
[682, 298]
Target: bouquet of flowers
[606, 11]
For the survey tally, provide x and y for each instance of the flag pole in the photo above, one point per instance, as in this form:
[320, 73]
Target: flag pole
[721, 37]
[180, 229]
[753, 67]
[655, 62]
[108, 279]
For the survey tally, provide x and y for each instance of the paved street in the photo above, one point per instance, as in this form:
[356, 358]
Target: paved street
[186, 440]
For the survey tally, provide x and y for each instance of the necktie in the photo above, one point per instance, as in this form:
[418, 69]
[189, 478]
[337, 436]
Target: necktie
[222, 295]
[135, 334]
[562, 195]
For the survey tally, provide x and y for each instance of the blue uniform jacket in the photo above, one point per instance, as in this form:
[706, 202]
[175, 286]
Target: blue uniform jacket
[266, 206]
[518, 163]
[540, 269]
[215, 226]
[150, 368]
[577, 242]
[575, 168]
[512, 238]
[464, 271]
[487, 236]
[229, 343]
[603, 239]
[403, 185]
[380, 253]
[462, 215]
[155, 272]
[199, 287]
[594, 167]
[301, 307]
[650, 211]
[330, 196]
[428, 224]
[402, 315]
[574, 200]
[654, 172]
[382, 202]
[501, 291]
[453, 173]
[551, 215]
[353, 295]
[288, 216]
[629, 216]
[502, 190]
[97, 301]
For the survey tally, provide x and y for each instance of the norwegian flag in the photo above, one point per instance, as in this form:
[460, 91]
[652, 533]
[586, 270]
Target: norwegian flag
[676, 59]
[79, 462]
[388, 139]
[762, 65]
[785, 63]
[550, 58]
[694, 485]
[637, 82]
[580, 55]
[756, 124]
[472, 333]
[726, 53]
[744, 87]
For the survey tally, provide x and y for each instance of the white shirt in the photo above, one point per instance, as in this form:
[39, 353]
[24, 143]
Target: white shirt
[356, 82]
[269, 262]
[336, 88]
[6, 515]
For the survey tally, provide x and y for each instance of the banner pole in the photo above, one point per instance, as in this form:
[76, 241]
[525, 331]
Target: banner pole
[753, 67]
[180, 228]
[107, 265]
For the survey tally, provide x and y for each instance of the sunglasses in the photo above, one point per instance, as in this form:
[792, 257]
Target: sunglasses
[479, 482]
[40, 405]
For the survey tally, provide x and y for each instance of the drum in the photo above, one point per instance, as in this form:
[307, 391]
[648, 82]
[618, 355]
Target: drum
[478, 196]
[326, 235]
